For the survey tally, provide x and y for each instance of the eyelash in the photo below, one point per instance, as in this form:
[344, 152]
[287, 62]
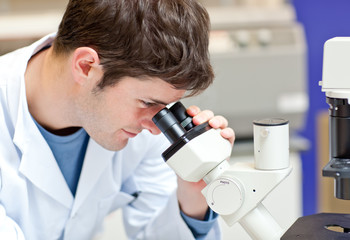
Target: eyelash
[147, 104]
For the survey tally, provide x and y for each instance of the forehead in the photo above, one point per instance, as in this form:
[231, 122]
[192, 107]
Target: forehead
[151, 88]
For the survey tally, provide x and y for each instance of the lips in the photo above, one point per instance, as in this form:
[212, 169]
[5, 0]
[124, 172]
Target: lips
[130, 134]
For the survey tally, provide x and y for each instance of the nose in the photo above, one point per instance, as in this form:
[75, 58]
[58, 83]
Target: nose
[147, 123]
[150, 126]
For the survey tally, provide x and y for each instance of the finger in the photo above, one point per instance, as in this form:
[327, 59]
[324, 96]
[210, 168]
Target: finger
[193, 110]
[202, 117]
[218, 122]
[229, 134]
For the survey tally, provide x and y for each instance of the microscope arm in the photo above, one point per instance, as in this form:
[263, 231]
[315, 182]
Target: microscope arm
[237, 195]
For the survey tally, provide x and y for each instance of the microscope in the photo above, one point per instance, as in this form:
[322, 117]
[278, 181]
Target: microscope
[336, 84]
[234, 191]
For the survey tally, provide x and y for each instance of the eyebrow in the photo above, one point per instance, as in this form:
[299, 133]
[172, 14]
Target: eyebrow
[158, 101]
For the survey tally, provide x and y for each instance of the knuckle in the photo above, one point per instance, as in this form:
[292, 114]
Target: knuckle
[208, 113]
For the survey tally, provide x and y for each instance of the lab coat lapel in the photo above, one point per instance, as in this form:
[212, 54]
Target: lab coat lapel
[40, 167]
[37, 162]
[96, 160]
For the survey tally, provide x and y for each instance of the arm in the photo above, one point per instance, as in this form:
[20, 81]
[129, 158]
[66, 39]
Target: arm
[8, 228]
[191, 200]
[200, 229]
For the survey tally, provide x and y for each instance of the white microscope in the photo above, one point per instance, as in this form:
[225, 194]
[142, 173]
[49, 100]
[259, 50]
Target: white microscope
[336, 84]
[233, 191]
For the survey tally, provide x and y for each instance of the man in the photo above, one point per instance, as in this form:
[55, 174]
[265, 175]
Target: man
[78, 139]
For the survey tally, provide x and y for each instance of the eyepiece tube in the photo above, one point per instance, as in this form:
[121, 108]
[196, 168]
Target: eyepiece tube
[179, 111]
[169, 125]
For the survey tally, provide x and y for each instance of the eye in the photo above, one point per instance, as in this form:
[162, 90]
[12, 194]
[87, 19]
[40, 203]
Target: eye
[147, 104]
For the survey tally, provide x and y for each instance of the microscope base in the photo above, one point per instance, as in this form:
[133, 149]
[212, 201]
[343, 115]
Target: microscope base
[315, 227]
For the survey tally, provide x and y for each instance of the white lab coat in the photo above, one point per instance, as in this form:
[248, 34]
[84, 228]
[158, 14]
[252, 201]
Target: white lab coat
[35, 195]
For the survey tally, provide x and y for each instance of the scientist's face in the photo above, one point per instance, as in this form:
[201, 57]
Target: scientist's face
[114, 114]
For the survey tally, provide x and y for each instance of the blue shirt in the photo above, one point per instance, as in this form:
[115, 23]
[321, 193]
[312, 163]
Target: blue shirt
[199, 228]
[69, 152]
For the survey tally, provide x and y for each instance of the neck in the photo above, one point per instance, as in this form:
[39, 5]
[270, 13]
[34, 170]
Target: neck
[48, 94]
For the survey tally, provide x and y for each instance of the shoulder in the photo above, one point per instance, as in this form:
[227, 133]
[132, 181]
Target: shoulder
[10, 65]
[12, 68]
[14, 64]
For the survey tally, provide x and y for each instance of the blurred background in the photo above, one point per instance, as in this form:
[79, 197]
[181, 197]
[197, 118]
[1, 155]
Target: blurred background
[267, 56]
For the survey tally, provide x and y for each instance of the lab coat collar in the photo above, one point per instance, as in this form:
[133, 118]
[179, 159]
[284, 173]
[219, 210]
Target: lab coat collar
[14, 86]
[40, 167]
[37, 162]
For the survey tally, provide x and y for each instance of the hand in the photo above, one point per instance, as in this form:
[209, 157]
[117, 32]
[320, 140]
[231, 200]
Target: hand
[200, 117]
[190, 198]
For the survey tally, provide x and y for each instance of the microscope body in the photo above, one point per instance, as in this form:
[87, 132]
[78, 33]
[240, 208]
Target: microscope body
[197, 157]
[234, 191]
[336, 85]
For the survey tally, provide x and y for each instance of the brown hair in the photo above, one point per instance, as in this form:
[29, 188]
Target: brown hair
[167, 39]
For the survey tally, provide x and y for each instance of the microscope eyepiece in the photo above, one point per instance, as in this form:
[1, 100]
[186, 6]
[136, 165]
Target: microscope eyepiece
[168, 124]
[173, 122]
[179, 111]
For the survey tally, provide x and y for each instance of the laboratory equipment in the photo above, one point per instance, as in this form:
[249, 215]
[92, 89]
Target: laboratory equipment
[259, 57]
[235, 191]
[336, 85]
[258, 54]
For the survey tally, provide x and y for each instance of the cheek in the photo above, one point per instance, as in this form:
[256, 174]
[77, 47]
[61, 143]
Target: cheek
[130, 117]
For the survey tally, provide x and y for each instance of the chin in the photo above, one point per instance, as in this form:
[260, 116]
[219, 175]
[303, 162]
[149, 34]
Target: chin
[116, 146]
[111, 142]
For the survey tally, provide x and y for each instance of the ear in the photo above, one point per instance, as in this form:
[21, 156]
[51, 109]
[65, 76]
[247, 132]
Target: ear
[85, 61]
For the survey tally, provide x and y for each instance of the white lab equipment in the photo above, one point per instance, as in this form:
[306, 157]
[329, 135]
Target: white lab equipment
[335, 83]
[259, 56]
[235, 192]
